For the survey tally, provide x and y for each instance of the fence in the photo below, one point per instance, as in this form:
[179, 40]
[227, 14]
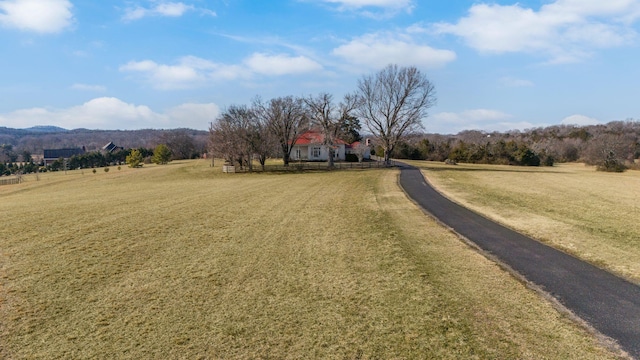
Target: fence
[10, 181]
[320, 166]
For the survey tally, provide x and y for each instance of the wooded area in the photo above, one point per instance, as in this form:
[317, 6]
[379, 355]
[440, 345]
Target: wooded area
[611, 147]
[21, 150]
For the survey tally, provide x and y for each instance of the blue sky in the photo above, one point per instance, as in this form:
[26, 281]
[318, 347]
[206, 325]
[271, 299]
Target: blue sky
[134, 64]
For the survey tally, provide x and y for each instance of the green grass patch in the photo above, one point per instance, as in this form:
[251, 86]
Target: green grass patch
[182, 261]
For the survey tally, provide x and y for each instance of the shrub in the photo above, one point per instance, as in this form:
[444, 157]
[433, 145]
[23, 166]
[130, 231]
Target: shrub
[548, 160]
[351, 158]
[527, 157]
[106, 169]
[612, 165]
[94, 171]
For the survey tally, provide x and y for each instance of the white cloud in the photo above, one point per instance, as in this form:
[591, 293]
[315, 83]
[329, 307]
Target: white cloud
[515, 82]
[476, 119]
[377, 3]
[372, 8]
[281, 64]
[172, 9]
[163, 8]
[563, 31]
[357, 4]
[192, 71]
[87, 87]
[375, 51]
[187, 73]
[113, 113]
[194, 116]
[41, 16]
[580, 120]
[472, 116]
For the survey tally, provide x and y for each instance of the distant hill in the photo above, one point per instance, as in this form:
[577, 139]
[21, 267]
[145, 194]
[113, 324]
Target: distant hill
[35, 129]
[38, 138]
[46, 129]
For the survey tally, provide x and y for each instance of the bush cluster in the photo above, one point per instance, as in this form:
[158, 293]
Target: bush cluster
[499, 152]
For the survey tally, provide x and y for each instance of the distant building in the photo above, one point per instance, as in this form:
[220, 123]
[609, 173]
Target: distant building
[51, 155]
[111, 147]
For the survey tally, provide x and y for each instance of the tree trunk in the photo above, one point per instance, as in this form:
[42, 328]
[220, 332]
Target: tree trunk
[331, 154]
[387, 157]
[263, 160]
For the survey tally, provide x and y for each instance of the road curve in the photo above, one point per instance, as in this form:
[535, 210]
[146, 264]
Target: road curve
[608, 303]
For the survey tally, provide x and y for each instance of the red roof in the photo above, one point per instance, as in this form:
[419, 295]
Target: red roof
[314, 137]
[353, 145]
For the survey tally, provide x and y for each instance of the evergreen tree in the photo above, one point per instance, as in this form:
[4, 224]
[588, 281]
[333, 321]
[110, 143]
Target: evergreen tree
[350, 129]
[134, 159]
[161, 154]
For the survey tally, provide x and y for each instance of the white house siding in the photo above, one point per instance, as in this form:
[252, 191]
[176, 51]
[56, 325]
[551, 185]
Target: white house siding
[307, 152]
[341, 152]
[303, 150]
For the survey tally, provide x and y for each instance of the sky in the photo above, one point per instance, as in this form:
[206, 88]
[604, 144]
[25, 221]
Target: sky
[496, 65]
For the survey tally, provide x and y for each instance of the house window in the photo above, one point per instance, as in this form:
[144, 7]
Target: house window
[316, 152]
[298, 154]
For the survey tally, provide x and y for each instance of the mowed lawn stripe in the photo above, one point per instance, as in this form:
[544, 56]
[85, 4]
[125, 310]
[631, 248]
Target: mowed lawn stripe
[182, 261]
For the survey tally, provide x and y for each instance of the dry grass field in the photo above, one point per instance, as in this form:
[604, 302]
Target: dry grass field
[593, 215]
[183, 262]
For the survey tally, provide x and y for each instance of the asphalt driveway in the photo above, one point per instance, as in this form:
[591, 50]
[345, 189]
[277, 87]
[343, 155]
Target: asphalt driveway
[608, 303]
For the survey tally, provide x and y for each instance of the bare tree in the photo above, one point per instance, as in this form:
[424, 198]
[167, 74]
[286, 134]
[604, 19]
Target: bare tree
[360, 150]
[238, 134]
[228, 134]
[393, 103]
[610, 152]
[265, 144]
[221, 140]
[286, 120]
[181, 144]
[330, 118]
[243, 121]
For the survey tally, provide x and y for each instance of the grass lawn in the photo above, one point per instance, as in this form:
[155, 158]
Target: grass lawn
[182, 261]
[593, 215]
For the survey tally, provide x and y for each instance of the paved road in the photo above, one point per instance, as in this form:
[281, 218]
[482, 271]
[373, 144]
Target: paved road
[608, 303]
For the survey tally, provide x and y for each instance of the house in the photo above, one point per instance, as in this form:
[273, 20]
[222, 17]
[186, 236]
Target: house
[310, 147]
[111, 147]
[51, 155]
[359, 148]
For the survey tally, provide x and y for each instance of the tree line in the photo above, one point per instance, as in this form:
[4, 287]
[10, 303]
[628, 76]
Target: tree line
[614, 146]
[17, 159]
[500, 152]
[185, 143]
[388, 105]
[391, 103]
[161, 154]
